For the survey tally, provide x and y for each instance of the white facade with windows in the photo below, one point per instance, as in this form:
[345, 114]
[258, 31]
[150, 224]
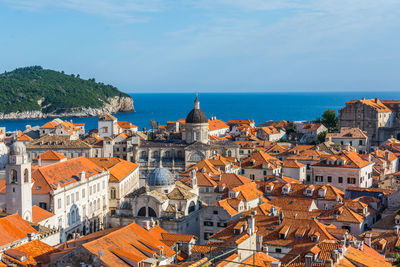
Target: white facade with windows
[342, 177]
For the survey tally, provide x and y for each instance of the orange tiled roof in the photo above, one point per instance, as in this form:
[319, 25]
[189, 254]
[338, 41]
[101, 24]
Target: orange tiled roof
[2, 186]
[216, 125]
[133, 242]
[261, 160]
[49, 125]
[248, 192]
[117, 167]
[126, 125]
[61, 174]
[24, 137]
[345, 159]
[299, 190]
[32, 250]
[39, 214]
[50, 155]
[291, 163]
[348, 132]
[269, 130]
[13, 227]
[376, 104]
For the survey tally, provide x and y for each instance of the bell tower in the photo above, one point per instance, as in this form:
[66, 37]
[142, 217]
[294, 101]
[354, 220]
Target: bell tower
[18, 182]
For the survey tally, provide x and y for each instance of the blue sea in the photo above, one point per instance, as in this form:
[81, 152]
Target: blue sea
[257, 106]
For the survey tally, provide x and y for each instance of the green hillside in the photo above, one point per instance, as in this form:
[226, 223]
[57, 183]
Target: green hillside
[35, 88]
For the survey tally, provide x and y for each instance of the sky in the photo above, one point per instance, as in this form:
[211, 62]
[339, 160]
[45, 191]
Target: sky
[209, 45]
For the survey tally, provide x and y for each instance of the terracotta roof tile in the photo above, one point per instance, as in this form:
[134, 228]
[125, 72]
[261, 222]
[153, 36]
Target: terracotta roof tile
[39, 214]
[50, 155]
[118, 168]
[13, 228]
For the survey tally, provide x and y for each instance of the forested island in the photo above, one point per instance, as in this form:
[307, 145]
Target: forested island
[34, 92]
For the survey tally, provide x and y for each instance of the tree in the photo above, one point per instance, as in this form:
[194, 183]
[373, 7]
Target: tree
[329, 120]
[321, 136]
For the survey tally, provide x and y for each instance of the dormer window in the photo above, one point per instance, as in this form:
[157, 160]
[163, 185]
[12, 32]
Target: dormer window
[322, 192]
[269, 188]
[309, 191]
[286, 189]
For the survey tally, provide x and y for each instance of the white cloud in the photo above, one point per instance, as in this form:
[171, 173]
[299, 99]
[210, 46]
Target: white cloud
[127, 11]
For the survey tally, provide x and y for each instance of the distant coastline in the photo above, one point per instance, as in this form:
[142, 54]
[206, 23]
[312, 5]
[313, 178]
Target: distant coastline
[260, 107]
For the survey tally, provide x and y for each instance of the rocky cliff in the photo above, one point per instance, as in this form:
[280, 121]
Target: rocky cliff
[111, 105]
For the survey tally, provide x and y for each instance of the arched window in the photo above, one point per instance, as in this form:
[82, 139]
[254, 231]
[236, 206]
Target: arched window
[77, 216]
[143, 154]
[167, 154]
[142, 212]
[26, 175]
[13, 176]
[113, 193]
[192, 207]
[152, 213]
[156, 154]
[72, 219]
[229, 153]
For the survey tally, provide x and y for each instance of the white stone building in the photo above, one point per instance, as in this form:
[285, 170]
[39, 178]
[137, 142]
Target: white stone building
[343, 170]
[76, 191]
[353, 137]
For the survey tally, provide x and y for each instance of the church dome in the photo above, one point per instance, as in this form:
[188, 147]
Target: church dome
[161, 177]
[196, 115]
[18, 148]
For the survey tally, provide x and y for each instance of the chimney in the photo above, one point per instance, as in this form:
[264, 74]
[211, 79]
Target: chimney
[83, 175]
[387, 155]
[363, 98]
[251, 221]
[265, 249]
[259, 243]
[30, 236]
[396, 228]
[347, 147]
[39, 162]
[329, 263]
[376, 100]
[308, 260]
[146, 225]
[193, 179]
[335, 256]
[280, 218]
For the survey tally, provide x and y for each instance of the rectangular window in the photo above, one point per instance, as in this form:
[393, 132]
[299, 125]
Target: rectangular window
[59, 203]
[278, 250]
[252, 176]
[67, 200]
[208, 223]
[308, 178]
[207, 235]
[43, 205]
[90, 190]
[242, 171]
[77, 196]
[360, 142]
[351, 180]
[83, 193]
[308, 166]
[98, 187]
[222, 224]
[351, 143]
[104, 185]
[265, 172]
[329, 179]
[340, 180]
[215, 212]
[319, 178]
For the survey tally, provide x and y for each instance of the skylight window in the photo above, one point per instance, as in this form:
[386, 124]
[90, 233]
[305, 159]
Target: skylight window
[61, 181]
[68, 180]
